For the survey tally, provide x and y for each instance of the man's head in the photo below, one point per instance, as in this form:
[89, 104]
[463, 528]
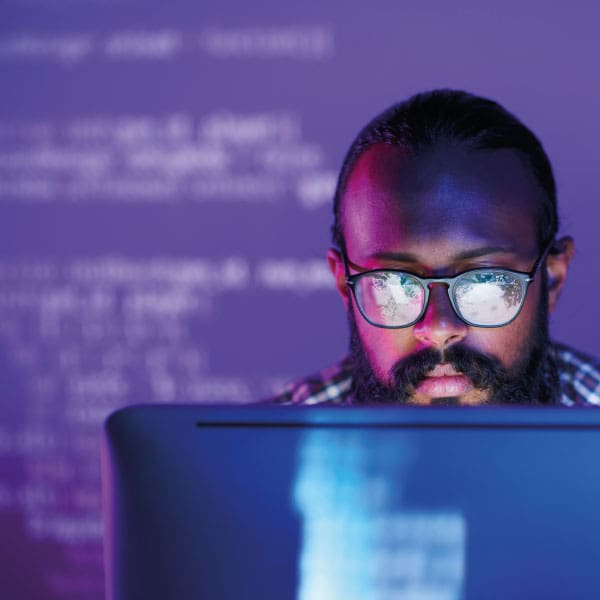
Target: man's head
[438, 185]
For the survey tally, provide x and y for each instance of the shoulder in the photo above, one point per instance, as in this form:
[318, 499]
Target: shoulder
[579, 376]
[331, 385]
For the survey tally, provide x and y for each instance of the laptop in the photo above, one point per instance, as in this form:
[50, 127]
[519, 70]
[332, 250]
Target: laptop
[314, 503]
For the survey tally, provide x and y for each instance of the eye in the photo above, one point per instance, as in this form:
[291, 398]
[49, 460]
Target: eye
[379, 281]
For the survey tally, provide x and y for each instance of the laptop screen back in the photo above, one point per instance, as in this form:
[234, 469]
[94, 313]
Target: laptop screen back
[324, 503]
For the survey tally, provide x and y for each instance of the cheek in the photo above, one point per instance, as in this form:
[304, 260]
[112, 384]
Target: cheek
[384, 347]
[509, 344]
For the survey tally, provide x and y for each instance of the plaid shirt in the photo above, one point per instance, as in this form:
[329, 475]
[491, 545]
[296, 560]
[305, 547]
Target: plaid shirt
[579, 382]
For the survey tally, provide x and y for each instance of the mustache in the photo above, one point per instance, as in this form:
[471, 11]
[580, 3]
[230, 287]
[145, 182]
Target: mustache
[484, 371]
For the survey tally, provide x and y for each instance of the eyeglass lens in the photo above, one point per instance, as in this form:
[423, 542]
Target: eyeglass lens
[487, 298]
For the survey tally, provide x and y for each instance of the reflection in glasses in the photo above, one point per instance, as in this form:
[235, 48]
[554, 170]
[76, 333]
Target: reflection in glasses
[489, 297]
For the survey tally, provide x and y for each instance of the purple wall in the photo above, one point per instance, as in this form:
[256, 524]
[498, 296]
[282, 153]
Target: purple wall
[165, 183]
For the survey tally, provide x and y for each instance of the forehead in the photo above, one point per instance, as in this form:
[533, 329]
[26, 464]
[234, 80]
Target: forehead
[449, 196]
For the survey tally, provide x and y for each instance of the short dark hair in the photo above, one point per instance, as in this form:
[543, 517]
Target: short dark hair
[458, 118]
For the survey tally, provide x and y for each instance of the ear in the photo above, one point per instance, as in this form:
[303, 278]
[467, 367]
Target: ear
[336, 266]
[557, 266]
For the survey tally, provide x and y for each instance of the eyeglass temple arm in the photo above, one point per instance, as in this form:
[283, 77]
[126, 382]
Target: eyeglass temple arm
[347, 275]
[549, 248]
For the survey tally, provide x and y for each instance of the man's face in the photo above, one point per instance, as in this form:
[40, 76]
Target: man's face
[435, 216]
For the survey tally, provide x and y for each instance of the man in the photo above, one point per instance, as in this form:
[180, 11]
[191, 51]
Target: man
[447, 261]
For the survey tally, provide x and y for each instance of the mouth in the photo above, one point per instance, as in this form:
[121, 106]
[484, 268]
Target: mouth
[444, 381]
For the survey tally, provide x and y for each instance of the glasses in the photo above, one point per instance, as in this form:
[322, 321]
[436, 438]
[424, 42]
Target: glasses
[487, 297]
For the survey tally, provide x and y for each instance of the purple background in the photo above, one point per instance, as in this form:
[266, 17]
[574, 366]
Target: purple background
[109, 298]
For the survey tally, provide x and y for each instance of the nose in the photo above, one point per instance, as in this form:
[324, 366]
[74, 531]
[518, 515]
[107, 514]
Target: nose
[440, 326]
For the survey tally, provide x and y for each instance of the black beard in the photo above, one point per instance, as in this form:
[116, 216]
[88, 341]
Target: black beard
[534, 380]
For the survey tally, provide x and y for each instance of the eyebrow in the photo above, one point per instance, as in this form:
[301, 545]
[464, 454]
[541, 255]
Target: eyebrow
[407, 257]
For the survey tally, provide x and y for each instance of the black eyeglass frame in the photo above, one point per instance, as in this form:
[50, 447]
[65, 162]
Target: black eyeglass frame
[525, 277]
